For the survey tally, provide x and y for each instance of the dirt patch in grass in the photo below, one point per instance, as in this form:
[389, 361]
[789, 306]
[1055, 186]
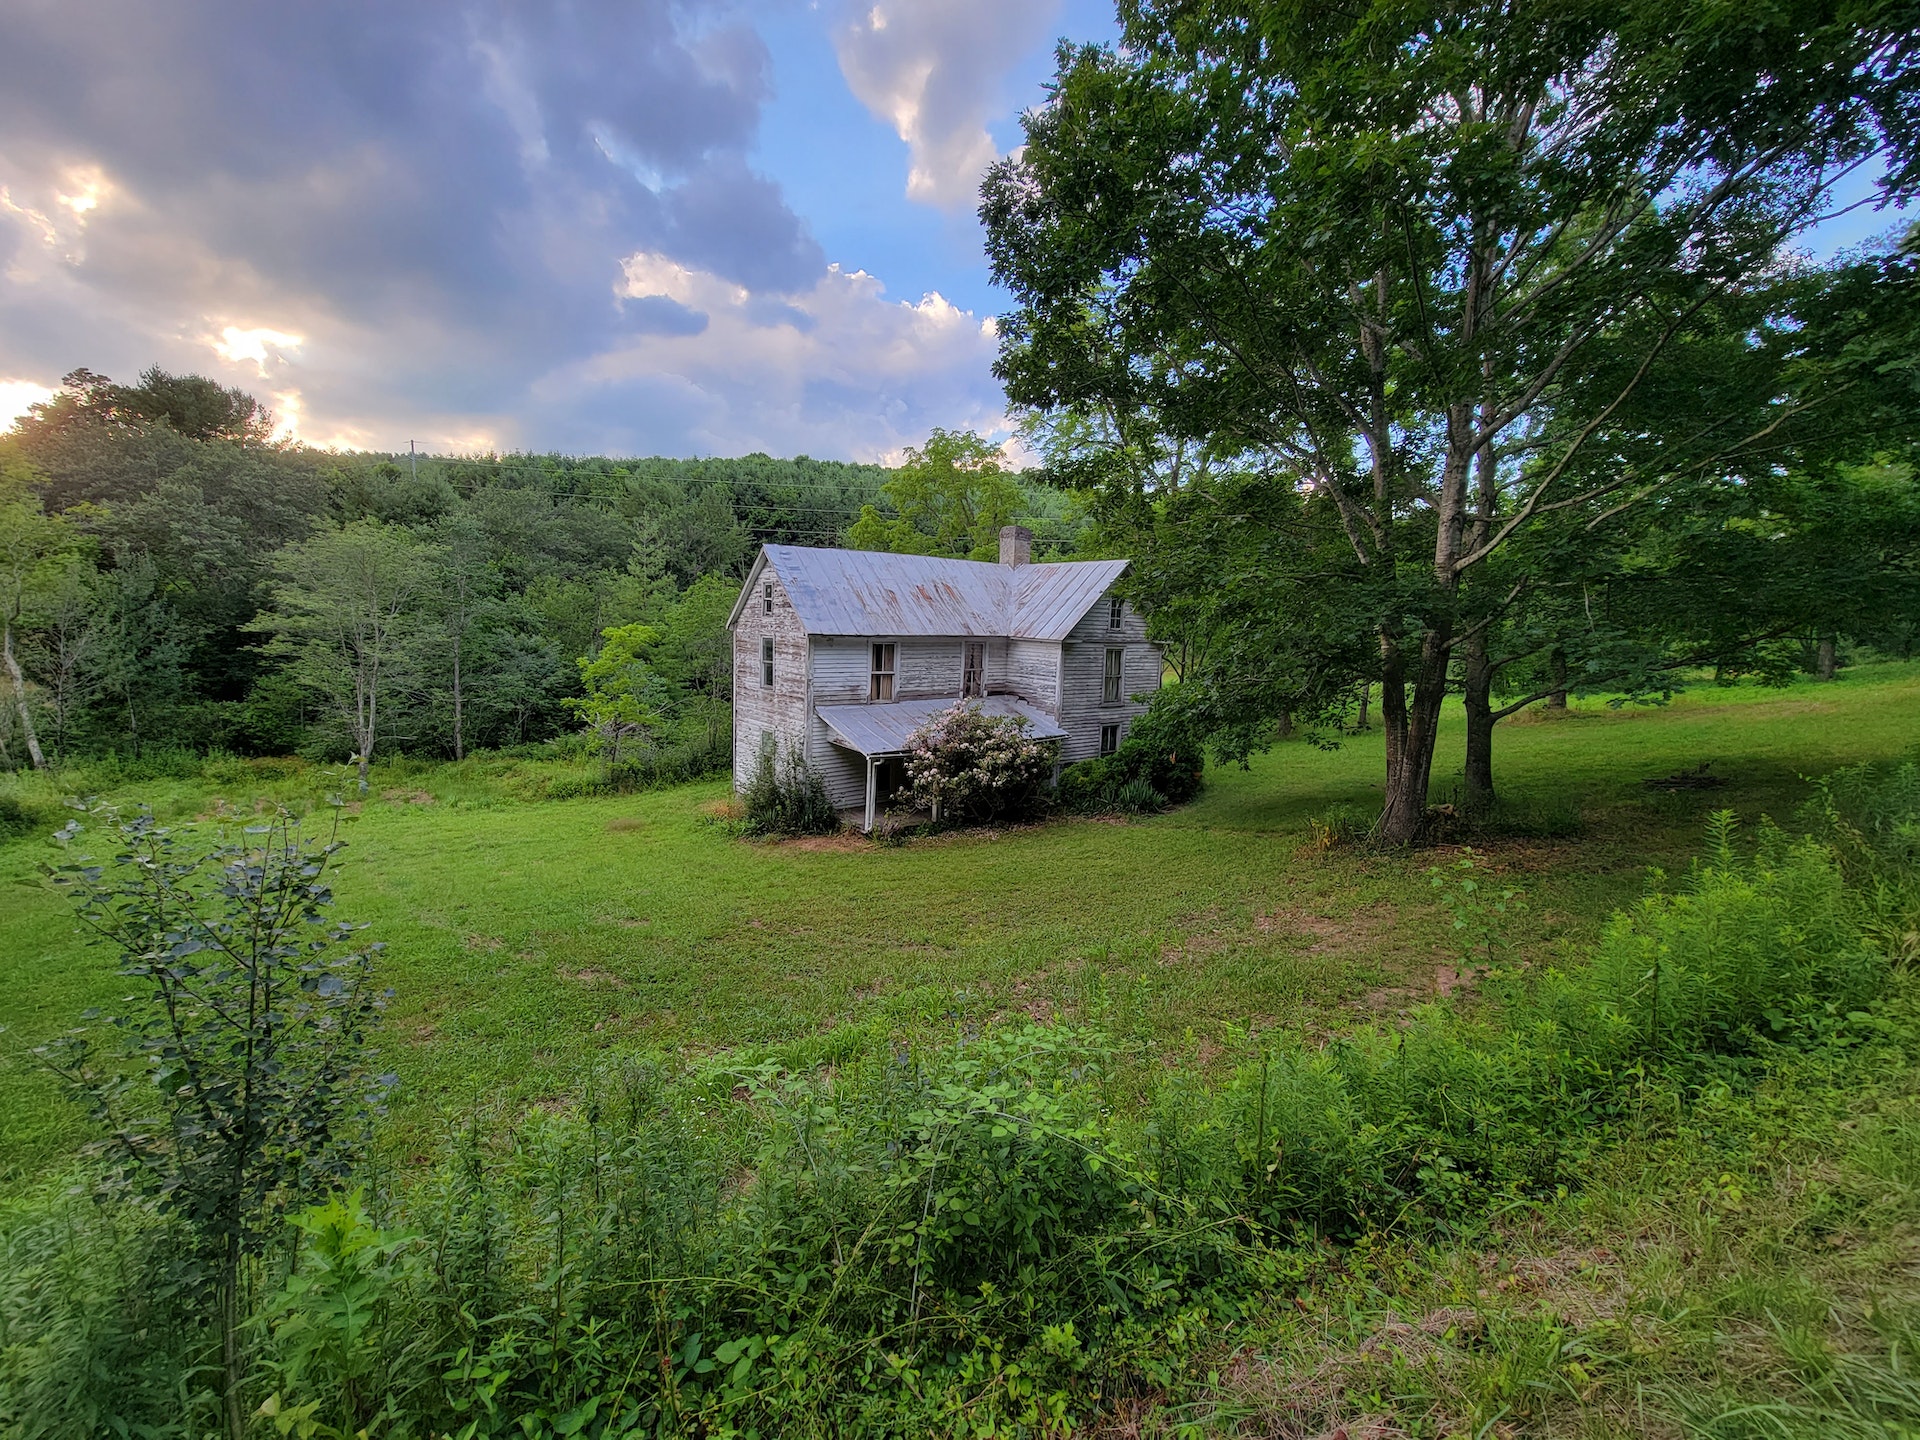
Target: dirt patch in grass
[620, 824]
[1331, 933]
[594, 979]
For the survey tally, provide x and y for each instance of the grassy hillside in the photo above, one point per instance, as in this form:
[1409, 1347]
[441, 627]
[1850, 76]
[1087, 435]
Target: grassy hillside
[525, 937]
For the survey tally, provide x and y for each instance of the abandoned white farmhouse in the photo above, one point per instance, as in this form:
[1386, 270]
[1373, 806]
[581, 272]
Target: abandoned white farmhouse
[845, 652]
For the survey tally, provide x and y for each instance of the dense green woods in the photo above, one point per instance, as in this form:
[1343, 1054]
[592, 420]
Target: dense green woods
[172, 578]
[179, 581]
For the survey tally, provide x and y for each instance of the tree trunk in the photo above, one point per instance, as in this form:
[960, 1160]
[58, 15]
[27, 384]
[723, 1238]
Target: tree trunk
[1557, 677]
[1284, 729]
[459, 739]
[231, 1363]
[12, 666]
[1411, 726]
[1478, 694]
[1476, 663]
[1826, 658]
[1366, 694]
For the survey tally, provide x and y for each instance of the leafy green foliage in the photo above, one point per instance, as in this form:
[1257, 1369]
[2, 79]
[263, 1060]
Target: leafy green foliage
[1163, 755]
[345, 616]
[1766, 947]
[786, 795]
[1393, 325]
[949, 498]
[1480, 912]
[1871, 817]
[182, 527]
[238, 1087]
[1010, 1227]
[624, 699]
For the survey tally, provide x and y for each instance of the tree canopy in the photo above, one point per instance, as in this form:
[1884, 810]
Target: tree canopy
[1442, 277]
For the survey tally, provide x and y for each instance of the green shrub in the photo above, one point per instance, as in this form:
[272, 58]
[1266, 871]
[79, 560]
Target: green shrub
[1162, 749]
[786, 796]
[1749, 949]
[20, 818]
[1871, 818]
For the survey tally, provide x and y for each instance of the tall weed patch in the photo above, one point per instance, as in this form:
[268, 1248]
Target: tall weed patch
[1747, 949]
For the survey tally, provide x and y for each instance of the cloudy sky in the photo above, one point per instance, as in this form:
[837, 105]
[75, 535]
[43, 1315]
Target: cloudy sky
[684, 227]
[616, 226]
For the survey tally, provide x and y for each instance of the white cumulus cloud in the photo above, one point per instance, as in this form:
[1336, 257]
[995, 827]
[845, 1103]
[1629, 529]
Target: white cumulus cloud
[837, 369]
[933, 70]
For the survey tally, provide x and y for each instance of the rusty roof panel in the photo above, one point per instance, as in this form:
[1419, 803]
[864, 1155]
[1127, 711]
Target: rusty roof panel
[872, 592]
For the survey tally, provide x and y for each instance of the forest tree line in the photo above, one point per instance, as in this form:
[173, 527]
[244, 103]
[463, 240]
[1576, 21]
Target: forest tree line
[170, 576]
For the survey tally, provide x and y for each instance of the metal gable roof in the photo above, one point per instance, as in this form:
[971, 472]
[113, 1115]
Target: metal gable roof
[872, 592]
[885, 729]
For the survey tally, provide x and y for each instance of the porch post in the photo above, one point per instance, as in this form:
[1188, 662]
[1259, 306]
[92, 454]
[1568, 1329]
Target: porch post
[871, 787]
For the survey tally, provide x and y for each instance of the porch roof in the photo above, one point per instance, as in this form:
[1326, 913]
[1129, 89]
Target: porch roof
[883, 729]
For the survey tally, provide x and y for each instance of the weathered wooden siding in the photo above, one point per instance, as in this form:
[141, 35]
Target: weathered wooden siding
[1083, 663]
[1064, 678]
[843, 772]
[782, 711]
[842, 666]
[1033, 672]
[927, 667]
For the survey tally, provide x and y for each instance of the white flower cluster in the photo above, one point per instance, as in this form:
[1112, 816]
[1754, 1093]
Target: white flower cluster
[971, 765]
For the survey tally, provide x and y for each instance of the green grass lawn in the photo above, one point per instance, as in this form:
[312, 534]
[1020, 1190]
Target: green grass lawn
[526, 936]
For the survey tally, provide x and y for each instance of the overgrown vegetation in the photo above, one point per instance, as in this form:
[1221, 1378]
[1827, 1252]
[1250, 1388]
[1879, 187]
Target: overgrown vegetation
[1020, 1229]
[234, 1086]
[786, 795]
[1160, 762]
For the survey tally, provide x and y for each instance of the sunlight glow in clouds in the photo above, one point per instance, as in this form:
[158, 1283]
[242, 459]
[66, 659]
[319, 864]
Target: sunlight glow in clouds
[90, 186]
[16, 396]
[256, 346]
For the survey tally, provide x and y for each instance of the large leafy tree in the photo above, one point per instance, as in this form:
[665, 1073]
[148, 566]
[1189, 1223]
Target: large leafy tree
[346, 616]
[950, 497]
[1418, 260]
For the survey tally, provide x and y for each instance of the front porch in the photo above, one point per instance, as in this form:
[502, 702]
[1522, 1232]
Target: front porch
[879, 733]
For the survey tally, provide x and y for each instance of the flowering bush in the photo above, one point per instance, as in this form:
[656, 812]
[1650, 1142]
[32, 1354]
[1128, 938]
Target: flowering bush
[964, 764]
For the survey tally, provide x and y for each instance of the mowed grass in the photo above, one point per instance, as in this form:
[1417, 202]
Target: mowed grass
[525, 938]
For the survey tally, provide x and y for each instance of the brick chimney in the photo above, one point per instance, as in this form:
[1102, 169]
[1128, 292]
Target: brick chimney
[1016, 545]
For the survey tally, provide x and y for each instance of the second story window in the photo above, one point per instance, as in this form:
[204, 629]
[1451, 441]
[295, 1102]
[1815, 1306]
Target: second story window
[881, 685]
[766, 662]
[766, 598]
[973, 669]
[1115, 606]
[1110, 682]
